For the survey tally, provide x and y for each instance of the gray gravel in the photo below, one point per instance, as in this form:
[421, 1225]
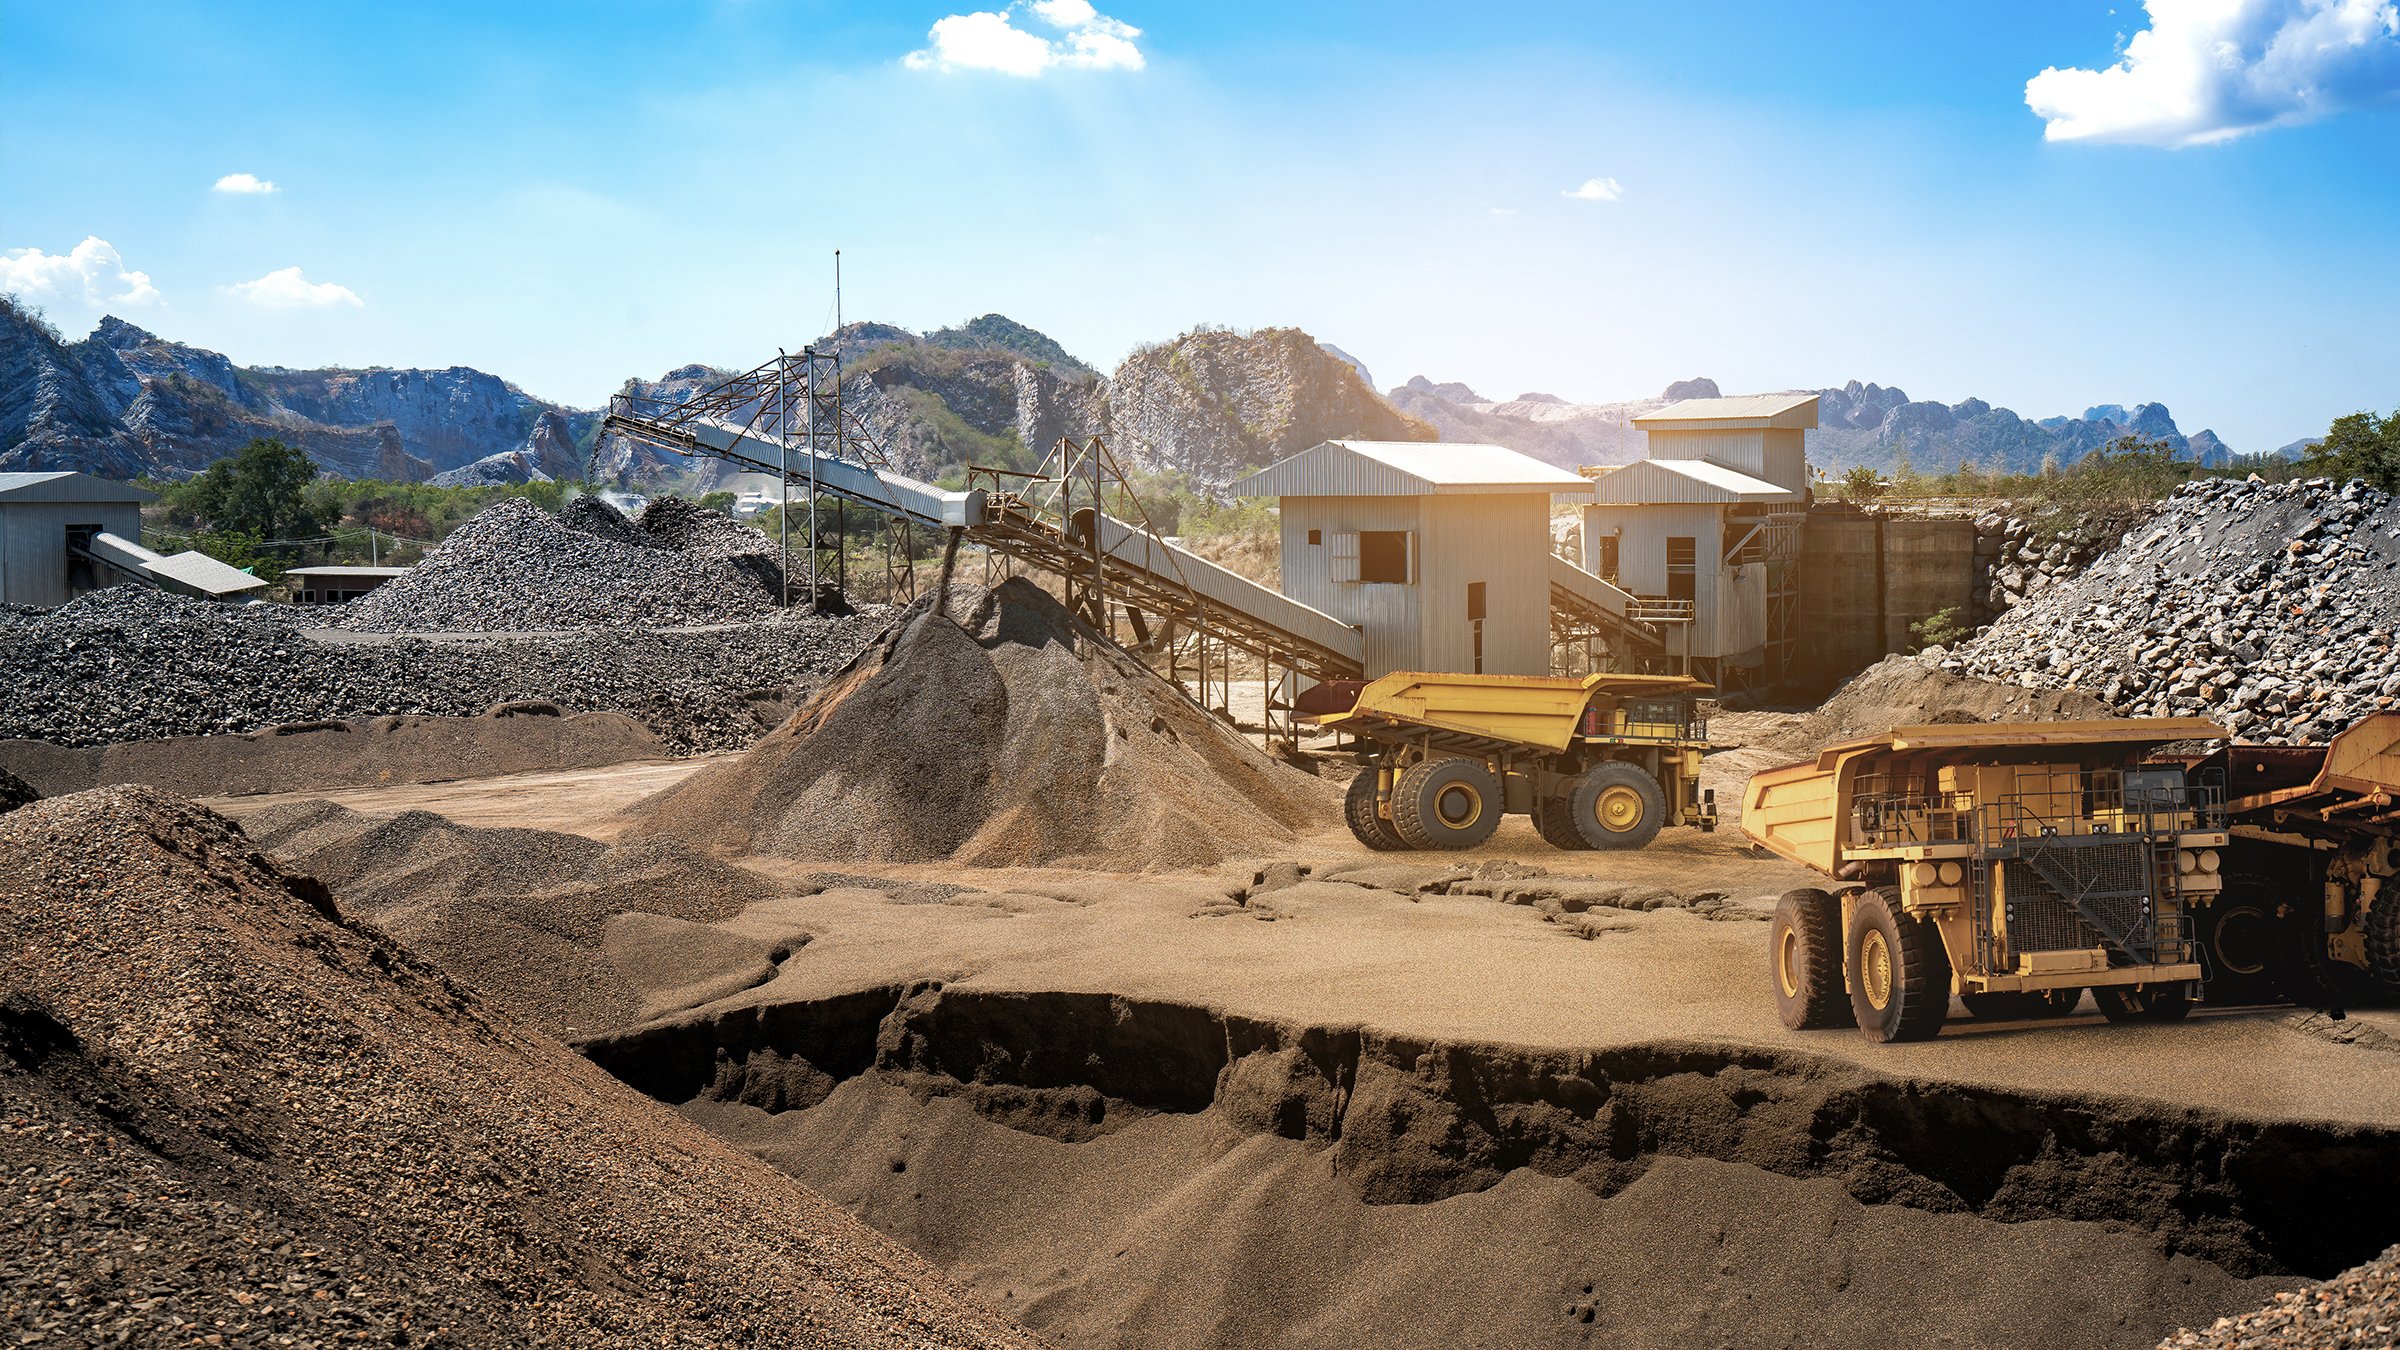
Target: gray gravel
[515, 568]
[2270, 607]
[130, 664]
[2358, 1309]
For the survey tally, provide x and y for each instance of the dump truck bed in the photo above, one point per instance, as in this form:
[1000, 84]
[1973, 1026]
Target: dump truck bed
[1796, 811]
[1491, 711]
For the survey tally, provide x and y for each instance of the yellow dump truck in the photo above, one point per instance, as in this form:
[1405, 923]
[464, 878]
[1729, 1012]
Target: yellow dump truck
[2312, 900]
[2014, 865]
[1601, 761]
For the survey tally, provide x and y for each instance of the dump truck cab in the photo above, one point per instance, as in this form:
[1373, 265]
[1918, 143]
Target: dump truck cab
[2014, 865]
[1598, 761]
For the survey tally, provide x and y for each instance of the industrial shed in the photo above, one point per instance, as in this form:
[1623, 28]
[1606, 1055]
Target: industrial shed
[62, 534]
[1713, 517]
[1440, 553]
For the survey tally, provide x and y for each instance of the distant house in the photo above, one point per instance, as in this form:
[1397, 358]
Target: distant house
[331, 584]
[62, 534]
[1713, 517]
[1438, 552]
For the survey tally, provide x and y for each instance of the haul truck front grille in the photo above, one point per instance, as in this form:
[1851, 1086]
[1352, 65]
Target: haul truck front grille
[2069, 893]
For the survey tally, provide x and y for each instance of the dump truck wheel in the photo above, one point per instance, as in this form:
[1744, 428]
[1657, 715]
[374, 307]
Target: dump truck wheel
[1899, 977]
[2383, 941]
[1446, 803]
[2240, 932]
[1616, 806]
[1554, 821]
[1805, 947]
[2156, 1003]
[1369, 828]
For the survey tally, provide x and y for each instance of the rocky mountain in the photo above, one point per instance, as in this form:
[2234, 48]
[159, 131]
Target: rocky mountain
[999, 333]
[1214, 403]
[125, 402]
[1866, 424]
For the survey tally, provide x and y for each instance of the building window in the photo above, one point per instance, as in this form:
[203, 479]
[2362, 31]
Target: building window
[1316, 536]
[1383, 556]
[1683, 557]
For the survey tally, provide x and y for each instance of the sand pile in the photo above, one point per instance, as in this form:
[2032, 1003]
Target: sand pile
[571, 935]
[513, 567]
[229, 1117]
[2358, 1309]
[2270, 607]
[1012, 736]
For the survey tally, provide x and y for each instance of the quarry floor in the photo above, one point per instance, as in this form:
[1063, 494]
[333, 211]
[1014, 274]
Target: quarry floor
[1453, 968]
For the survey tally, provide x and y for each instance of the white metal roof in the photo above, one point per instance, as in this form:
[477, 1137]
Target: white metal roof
[66, 486]
[1785, 411]
[1405, 469]
[1664, 482]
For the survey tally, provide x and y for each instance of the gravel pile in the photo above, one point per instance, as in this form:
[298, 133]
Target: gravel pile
[2271, 608]
[2023, 553]
[129, 664]
[230, 1116]
[2358, 1309]
[515, 568]
[524, 917]
[15, 792]
[697, 532]
[1013, 736]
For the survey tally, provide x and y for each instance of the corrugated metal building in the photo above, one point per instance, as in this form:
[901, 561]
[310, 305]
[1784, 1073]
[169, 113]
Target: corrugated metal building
[1440, 553]
[1713, 517]
[43, 516]
[331, 584]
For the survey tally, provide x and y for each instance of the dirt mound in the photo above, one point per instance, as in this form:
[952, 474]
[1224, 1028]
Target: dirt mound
[1900, 691]
[1016, 736]
[2358, 1309]
[520, 737]
[515, 568]
[535, 920]
[234, 1116]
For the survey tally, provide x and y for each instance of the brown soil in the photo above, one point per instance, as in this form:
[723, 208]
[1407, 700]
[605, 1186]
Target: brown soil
[511, 738]
[230, 1116]
[1011, 736]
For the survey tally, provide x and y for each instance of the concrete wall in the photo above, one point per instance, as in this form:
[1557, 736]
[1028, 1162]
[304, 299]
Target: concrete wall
[1865, 578]
[33, 544]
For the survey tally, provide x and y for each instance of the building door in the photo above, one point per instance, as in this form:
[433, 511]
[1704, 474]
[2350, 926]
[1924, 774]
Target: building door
[1607, 568]
[1475, 621]
[1683, 559]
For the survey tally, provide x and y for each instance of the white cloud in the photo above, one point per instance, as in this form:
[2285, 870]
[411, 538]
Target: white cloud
[2206, 71]
[285, 288]
[1596, 190]
[91, 273]
[244, 185]
[991, 40]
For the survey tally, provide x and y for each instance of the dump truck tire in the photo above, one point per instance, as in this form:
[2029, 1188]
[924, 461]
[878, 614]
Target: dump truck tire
[1899, 976]
[2006, 1005]
[2157, 1003]
[1446, 804]
[1554, 821]
[2383, 940]
[2240, 933]
[1616, 805]
[1805, 951]
[1366, 826]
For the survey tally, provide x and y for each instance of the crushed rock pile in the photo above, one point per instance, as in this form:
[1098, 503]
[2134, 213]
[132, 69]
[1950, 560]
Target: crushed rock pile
[2270, 607]
[696, 532]
[2358, 1309]
[230, 1116]
[15, 792]
[1016, 736]
[526, 917]
[128, 664]
[516, 568]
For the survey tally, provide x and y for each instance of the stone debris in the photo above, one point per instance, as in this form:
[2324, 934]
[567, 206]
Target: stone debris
[2358, 1309]
[2022, 553]
[515, 568]
[128, 664]
[697, 532]
[2269, 607]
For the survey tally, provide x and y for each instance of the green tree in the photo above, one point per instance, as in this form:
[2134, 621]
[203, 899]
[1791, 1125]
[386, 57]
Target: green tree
[257, 491]
[2360, 445]
[719, 502]
[1862, 484]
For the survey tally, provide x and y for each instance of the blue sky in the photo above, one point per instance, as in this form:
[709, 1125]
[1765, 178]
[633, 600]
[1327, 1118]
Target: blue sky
[1788, 196]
